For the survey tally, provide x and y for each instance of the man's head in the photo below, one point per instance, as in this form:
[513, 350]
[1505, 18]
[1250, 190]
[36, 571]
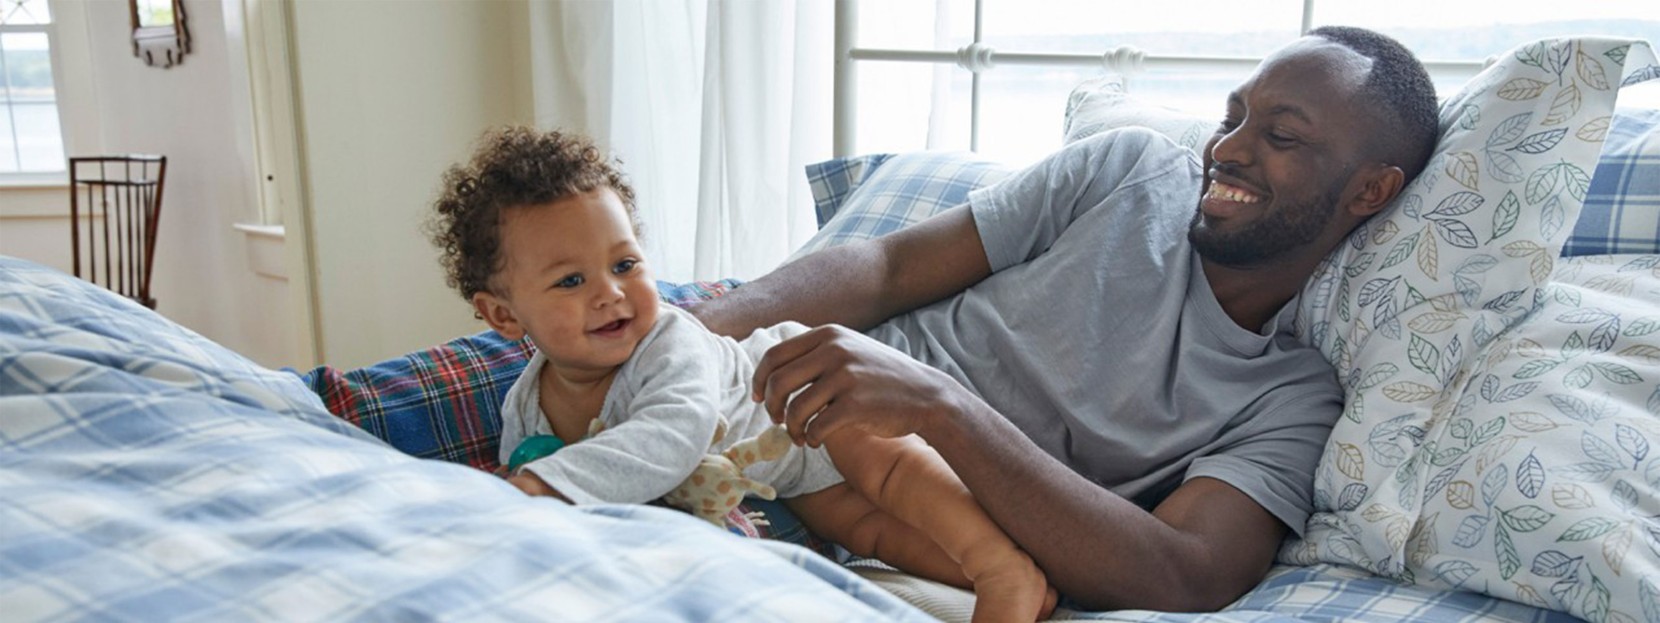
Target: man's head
[1324, 134]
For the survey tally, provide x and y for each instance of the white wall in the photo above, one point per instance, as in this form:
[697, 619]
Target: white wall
[201, 277]
[391, 94]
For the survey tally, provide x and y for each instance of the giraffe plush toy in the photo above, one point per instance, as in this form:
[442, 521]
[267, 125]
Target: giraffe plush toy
[718, 483]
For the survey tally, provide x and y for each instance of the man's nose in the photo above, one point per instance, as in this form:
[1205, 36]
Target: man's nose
[1231, 146]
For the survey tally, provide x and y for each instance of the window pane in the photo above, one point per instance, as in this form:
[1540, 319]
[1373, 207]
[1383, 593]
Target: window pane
[893, 105]
[39, 139]
[8, 143]
[28, 64]
[915, 24]
[35, 138]
[24, 12]
[1477, 29]
[1252, 27]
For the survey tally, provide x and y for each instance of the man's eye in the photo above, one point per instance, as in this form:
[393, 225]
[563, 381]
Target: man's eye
[1281, 139]
[624, 266]
[569, 282]
[1228, 125]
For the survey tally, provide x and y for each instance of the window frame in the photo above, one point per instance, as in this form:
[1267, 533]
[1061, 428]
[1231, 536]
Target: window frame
[70, 56]
[979, 58]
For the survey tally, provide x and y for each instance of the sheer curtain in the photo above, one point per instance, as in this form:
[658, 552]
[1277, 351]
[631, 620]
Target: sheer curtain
[714, 106]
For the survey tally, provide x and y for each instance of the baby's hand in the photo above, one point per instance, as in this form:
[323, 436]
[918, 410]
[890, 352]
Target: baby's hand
[532, 485]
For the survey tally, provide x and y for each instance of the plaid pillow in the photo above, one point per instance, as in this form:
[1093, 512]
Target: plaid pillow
[1622, 205]
[832, 181]
[445, 402]
[867, 196]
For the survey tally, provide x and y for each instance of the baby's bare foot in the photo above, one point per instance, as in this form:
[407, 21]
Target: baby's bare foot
[1008, 586]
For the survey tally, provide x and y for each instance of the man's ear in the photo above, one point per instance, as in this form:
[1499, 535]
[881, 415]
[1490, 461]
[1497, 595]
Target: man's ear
[1379, 184]
[495, 312]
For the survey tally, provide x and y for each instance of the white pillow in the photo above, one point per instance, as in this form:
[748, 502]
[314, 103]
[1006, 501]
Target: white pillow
[1103, 103]
[1409, 305]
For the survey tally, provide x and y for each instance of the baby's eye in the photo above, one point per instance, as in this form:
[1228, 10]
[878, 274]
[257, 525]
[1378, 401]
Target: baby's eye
[625, 266]
[570, 281]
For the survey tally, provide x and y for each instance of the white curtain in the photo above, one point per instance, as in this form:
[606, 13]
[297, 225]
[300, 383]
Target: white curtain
[714, 106]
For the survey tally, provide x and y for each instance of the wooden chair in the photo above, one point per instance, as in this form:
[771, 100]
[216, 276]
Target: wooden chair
[122, 199]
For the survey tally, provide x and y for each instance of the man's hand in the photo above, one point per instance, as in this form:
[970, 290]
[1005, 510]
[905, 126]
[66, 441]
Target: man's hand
[851, 381]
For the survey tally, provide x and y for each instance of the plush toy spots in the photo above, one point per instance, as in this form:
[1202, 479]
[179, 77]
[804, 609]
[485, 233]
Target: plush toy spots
[717, 485]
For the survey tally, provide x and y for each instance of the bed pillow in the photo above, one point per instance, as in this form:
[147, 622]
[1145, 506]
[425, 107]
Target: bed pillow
[1622, 206]
[1402, 308]
[1104, 103]
[1540, 483]
[445, 402]
[864, 197]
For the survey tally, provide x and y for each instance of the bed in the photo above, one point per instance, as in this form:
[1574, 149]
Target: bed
[1495, 460]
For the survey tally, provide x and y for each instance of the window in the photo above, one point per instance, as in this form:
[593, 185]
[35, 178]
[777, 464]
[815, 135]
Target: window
[907, 106]
[31, 139]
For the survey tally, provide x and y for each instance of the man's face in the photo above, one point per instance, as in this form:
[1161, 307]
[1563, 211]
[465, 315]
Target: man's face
[1277, 169]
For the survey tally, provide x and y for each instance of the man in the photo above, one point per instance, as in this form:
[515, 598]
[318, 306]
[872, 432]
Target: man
[1110, 371]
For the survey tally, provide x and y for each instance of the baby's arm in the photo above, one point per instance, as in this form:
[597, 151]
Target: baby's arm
[533, 485]
[671, 413]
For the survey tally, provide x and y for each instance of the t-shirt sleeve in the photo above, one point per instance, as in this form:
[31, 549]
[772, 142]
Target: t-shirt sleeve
[1274, 458]
[665, 430]
[1022, 217]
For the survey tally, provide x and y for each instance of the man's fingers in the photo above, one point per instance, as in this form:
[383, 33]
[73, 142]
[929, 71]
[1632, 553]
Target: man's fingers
[802, 408]
[780, 355]
[777, 387]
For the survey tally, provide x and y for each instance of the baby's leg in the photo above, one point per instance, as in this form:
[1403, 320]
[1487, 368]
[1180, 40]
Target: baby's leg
[909, 481]
[844, 515]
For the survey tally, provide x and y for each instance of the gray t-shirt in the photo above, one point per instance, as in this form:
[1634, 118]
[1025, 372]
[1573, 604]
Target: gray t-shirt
[1099, 337]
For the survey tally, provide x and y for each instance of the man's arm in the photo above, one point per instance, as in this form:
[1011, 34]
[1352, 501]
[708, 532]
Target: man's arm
[1206, 544]
[859, 284]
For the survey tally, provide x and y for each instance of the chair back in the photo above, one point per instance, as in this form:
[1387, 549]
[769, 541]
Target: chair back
[114, 241]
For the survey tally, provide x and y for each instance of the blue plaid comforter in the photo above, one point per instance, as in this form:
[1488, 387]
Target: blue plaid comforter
[147, 473]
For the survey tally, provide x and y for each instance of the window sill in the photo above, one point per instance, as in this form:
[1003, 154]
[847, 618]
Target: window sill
[45, 181]
[266, 256]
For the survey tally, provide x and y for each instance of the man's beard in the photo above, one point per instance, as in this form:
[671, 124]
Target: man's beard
[1271, 237]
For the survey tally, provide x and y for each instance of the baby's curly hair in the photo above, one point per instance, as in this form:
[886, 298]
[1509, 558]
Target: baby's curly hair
[512, 167]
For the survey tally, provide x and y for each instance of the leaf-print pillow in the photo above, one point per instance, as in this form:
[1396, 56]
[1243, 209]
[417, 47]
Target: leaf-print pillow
[1541, 483]
[1405, 307]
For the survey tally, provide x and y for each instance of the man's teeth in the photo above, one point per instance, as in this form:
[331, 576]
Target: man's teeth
[1221, 190]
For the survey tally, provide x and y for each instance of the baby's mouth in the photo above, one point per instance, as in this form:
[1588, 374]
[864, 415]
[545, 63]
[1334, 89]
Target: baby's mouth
[613, 327]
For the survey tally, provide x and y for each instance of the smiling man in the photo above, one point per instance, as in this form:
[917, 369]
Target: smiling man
[1101, 345]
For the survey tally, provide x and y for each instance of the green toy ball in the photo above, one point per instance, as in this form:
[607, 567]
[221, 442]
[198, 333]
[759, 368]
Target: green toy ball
[532, 448]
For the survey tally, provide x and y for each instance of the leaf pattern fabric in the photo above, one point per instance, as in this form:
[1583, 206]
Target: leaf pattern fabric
[1470, 455]
[1542, 479]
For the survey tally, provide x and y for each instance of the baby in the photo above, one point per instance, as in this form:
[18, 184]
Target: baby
[538, 232]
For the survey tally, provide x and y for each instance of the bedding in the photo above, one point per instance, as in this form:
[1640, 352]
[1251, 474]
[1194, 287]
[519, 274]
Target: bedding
[147, 473]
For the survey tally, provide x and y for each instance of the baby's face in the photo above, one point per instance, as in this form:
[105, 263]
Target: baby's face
[576, 280]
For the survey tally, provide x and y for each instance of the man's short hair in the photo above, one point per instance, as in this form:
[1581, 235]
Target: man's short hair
[1399, 94]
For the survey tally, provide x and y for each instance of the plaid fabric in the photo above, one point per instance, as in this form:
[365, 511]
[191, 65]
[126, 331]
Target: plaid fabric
[149, 474]
[833, 180]
[865, 197]
[1622, 205]
[445, 402]
[1326, 592]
